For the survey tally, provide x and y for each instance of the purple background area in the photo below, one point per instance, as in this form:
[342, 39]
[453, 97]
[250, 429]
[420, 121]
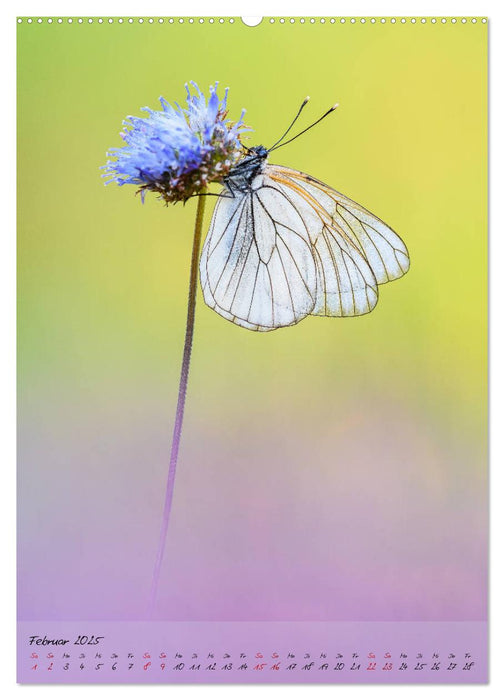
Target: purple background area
[365, 516]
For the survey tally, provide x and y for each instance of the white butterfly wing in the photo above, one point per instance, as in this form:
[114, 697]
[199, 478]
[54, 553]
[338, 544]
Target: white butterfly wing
[292, 246]
[257, 267]
[346, 285]
[384, 250]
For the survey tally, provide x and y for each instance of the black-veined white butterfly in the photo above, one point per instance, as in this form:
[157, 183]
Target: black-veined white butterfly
[282, 245]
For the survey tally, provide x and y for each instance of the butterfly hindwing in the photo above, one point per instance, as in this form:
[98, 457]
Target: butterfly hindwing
[384, 250]
[346, 285]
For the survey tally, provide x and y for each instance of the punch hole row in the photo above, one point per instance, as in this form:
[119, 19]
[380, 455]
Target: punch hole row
[127, 20]
[233, 20]
[375, 20]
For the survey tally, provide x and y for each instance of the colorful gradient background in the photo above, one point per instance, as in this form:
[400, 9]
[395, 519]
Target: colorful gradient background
[335, 470]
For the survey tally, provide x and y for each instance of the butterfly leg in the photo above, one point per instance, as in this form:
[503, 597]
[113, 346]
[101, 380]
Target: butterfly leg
[211, 194]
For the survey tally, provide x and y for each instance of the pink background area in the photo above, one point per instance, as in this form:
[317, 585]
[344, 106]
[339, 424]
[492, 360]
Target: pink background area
[307, 511]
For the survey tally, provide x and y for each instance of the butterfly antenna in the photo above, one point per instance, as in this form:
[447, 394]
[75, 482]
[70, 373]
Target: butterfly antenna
[273, 148]
[305, 101]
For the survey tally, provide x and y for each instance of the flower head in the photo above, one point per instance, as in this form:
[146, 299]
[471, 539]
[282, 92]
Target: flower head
[178, 151]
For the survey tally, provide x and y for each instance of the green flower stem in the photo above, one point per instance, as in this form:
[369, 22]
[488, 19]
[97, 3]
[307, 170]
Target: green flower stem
[179, 416]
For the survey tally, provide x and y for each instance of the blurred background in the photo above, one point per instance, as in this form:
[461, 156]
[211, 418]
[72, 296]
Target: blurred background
[335, 470]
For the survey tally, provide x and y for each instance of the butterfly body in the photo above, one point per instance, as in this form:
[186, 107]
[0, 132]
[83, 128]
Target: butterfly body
[283, 245]
[241, 176]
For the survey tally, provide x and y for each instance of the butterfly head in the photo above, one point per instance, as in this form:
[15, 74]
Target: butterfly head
[259, 151]
[255, 156]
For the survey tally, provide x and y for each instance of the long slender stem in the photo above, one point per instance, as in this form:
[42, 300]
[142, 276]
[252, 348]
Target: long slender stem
[179, 416]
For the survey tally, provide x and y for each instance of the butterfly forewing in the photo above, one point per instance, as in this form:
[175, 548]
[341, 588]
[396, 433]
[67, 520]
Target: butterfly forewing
[257, 267]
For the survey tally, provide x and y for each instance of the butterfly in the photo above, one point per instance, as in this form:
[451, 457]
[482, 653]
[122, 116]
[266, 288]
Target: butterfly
[283, 245]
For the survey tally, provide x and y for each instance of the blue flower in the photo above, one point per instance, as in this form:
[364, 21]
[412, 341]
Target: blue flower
[178, 151]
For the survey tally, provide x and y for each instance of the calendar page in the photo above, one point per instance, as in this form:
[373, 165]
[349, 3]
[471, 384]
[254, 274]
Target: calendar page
[252, 384]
